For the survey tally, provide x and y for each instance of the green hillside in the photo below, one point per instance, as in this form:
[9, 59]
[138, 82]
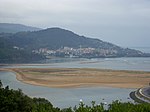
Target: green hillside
[19, 46]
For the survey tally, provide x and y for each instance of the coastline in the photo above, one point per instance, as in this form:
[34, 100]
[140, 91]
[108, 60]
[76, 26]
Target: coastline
[76, 77]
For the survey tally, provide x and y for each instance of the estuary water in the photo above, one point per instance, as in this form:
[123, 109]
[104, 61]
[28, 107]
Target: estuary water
[71, 96]
[139, 64]
[67, 97]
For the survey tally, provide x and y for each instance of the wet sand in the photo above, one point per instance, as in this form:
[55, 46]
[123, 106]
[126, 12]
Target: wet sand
[81, 77]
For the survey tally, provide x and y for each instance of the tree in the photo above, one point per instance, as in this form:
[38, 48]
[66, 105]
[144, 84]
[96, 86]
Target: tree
[1, 85]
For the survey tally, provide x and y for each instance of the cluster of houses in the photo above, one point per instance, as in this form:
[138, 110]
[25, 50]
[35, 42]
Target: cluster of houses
[76, 52]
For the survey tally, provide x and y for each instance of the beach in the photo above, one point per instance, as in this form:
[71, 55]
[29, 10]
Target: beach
[81, 77]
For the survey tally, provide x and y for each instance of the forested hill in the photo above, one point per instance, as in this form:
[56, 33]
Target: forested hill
[14, 28]
[10, 54]
[54, 38]
[20, 46]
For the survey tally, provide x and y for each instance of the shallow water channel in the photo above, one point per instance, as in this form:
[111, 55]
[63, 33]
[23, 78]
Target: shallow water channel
[62, 98]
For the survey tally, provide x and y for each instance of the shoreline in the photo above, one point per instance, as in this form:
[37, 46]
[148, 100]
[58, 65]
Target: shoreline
[77, 77]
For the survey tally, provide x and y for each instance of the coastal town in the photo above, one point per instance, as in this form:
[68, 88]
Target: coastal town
[76, 52]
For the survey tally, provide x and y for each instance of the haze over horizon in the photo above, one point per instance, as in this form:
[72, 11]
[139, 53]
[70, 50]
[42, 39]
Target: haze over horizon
[122, 22]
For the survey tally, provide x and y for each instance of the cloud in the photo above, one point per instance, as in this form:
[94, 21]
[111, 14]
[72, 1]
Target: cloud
[111, 20]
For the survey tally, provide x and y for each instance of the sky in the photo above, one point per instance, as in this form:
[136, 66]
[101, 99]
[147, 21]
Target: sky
[122, 22]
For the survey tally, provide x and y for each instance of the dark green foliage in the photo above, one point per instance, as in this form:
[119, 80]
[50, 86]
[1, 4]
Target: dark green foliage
[16, 101]
[9, 55]
[1, 85]
[43, 105]
[94, 108]
[128, 107]
[55, 38]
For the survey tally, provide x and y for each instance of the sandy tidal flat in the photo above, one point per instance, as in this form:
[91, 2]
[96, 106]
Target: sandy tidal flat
[76, 77]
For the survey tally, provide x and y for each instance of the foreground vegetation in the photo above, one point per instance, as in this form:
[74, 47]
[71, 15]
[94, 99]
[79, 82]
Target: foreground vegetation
[15, 101]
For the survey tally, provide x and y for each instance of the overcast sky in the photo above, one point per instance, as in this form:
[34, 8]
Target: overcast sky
[123, 22]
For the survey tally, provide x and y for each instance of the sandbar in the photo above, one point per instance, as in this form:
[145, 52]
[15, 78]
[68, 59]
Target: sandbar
[81, 77]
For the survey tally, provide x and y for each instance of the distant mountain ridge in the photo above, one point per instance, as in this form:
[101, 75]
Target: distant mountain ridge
[14, 28]
[54, 38]
[57, 38]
